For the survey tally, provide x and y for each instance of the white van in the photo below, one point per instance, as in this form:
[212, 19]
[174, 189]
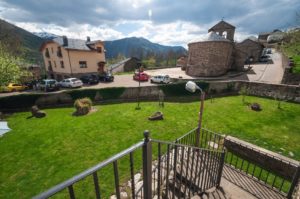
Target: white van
[163, 79]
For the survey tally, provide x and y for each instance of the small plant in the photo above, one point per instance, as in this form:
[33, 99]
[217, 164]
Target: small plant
[255, 107]
[243, 91]
[83, 106]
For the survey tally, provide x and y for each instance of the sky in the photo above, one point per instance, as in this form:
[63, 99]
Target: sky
[168, 22]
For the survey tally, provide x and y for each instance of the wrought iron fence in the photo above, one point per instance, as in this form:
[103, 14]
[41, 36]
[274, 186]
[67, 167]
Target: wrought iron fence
[282, 184]
[207, 139]
[179, 171]
[182, 171]
[93, 173]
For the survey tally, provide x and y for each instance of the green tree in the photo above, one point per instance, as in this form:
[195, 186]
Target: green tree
[10, 70]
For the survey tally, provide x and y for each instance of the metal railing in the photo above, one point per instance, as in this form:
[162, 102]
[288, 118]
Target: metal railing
[179, 171]
[182, 171]
[208, 139]
[283, 184]
[93, 172]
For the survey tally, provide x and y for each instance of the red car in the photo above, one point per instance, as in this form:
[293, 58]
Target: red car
[140, 76]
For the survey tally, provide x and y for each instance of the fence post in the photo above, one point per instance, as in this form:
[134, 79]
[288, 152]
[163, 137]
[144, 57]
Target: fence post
[222, 159]
[294, 182]
[147, 165]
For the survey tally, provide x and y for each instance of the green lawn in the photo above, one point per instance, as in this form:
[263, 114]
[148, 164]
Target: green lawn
[39, 153]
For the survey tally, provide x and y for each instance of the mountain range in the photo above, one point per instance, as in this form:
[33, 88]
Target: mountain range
[21, 42]
[139, 47]
[129, 47]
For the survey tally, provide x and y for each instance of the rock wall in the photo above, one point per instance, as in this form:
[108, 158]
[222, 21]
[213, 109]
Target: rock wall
[209, 58]
[288, 76]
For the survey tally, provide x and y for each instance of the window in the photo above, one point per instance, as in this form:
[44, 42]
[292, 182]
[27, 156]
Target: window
[55, 64]
[47, 53]
[49, 62]
[59, 54]
[62, 64]
[51, 50]
[99, 49]
[224, 34]
[82, 64]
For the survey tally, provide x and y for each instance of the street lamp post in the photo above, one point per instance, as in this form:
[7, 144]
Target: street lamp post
[192, 87]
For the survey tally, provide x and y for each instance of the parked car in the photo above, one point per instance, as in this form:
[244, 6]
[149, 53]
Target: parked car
[11, 87]
[48, 85]
[106, 77]
[140, 76]
[71, 83]
[264, 58]
[160, 79]
[90, 79]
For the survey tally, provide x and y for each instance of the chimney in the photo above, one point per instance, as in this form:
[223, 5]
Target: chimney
[65, 41]
[88, 39]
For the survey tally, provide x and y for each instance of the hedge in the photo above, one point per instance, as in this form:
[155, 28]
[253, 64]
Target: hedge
[27, 100]
[178, 89]
[105, 93]
[18, 101]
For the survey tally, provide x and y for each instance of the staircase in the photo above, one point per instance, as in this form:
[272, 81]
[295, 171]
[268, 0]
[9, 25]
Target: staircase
[185, 171]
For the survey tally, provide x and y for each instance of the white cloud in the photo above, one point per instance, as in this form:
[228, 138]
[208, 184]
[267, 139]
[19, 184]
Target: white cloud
[78, 31]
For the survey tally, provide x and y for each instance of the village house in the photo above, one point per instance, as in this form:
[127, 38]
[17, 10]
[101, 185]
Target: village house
[65, 57]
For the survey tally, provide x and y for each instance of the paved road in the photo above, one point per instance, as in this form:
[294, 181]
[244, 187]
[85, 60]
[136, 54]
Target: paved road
[266, 72]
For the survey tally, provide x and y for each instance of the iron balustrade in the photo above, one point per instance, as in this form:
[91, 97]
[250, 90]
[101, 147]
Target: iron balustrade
[269, 178]
[208, 139]
[179, 171]
[93, 172]
[265, 176]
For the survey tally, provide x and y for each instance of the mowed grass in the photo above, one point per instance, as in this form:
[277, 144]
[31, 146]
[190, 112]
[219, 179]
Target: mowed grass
[40, 153]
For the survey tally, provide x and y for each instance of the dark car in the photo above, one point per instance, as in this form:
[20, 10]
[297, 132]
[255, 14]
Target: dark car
[90, 79]
[264, 58]
[48, 85]
[106, 77]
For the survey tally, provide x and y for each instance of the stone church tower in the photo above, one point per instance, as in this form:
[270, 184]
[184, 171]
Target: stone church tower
[224, 29]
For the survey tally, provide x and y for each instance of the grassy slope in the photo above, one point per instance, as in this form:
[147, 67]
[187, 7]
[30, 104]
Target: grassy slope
[39, 153]
[292, 49]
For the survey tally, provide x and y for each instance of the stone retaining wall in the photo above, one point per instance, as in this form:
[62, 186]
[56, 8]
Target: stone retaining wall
[215, 89]
[276, 163]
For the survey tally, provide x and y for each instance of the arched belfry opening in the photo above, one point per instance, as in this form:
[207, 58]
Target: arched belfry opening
[224, 29]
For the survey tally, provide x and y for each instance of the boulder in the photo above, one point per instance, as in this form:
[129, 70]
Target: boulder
[36, 112]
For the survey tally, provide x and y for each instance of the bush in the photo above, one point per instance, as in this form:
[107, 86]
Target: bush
[83, 106]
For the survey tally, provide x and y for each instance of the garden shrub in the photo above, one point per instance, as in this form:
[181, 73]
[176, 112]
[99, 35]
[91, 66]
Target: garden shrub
[178, 89]
[83, 106]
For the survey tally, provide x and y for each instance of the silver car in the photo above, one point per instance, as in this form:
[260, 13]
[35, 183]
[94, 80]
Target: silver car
[71, 83]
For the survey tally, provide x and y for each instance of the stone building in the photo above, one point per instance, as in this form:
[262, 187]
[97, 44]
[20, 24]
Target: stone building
[245, 51]
[209, 56]
[217, 53]
[181, 62]
[223, 29]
